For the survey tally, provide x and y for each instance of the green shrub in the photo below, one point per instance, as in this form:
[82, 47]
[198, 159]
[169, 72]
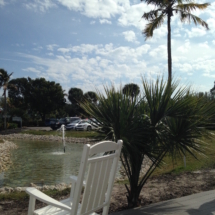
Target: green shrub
[12, 125]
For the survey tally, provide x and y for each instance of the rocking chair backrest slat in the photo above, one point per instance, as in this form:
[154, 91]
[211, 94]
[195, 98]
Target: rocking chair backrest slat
[100, 177]
[80, 179]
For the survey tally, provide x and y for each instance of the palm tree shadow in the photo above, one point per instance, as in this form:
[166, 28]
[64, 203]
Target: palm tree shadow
[206, 208]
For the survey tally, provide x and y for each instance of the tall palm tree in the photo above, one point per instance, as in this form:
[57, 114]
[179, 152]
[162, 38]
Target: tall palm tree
[4, 81]
[167, 8]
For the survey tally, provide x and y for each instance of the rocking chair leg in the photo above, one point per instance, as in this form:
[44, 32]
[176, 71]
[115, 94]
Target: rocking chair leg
[31, 206]
[105, 210]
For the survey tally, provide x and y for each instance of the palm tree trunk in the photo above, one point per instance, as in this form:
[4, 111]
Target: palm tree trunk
[5, 110]
[169, 54]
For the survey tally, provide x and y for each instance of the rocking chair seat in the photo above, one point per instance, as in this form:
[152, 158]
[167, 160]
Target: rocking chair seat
[50, 209]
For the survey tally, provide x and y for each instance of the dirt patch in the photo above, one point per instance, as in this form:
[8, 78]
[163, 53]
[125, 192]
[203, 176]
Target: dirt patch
[157, 189]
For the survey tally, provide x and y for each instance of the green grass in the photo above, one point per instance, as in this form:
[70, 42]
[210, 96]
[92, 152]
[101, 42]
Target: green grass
[76, 134]
[176, 166]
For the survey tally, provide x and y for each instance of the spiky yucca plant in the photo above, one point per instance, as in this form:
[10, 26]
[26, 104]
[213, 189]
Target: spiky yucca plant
[167, 119]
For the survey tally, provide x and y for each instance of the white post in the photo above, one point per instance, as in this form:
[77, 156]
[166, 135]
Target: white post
[184, 161]
[63, 136]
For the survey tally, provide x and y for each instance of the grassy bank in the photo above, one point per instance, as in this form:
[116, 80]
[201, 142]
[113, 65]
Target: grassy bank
[202, 161]
[76, 134]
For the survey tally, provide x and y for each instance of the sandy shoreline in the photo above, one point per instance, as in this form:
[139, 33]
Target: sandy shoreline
[5, 147]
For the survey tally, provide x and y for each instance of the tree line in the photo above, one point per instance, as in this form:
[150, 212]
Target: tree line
[39, 98]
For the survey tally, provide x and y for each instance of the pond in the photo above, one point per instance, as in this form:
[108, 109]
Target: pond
[41, 163]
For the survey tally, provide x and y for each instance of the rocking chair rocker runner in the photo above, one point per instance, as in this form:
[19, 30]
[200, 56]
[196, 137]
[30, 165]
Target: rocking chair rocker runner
[98, 187]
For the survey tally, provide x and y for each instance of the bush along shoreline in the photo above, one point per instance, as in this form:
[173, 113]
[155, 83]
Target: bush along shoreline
[54, 138]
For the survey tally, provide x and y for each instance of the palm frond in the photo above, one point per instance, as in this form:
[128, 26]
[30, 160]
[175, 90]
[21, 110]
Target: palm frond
[151, 14]
[188, 17]
[191, 6]
[152, 25]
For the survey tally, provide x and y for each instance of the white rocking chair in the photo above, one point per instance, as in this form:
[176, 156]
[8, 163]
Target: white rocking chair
[98, 187]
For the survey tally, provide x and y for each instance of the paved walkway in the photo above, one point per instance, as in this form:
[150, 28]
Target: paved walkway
[197, 204]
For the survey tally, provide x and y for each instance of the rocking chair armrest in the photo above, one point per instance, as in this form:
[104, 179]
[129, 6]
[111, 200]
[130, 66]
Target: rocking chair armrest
[75, 178]
[46, 199]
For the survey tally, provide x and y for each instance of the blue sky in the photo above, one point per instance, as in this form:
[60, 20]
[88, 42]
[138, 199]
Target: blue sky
[89, 43]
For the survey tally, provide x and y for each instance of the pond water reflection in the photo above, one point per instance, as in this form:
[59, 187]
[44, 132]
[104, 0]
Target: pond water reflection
[41, 162]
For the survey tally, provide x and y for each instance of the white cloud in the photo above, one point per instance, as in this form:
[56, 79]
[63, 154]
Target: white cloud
[50, 54]
[176, 32]
[31, 69]
[185, 47]
[211, 24]
[160, 51]
[213, 41]
[204, 45]
[130, 36]
[211, 10]
[84, 48]
[2, 3]
[132, 16]
[51, 47]
[120, 53]
[40, 5]
[92, 22]
[64, 50]
[105, 21]
[184, 67]
[97, 8]
[38, 48]
[196, 32]
[109, 63]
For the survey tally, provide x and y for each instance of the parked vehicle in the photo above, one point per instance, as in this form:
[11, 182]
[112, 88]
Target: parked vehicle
[85, 125]
[71, 126]
[51, 121]
[62, 121]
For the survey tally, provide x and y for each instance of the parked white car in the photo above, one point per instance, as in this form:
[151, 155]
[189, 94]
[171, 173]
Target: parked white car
[85, 125]
[72, 126]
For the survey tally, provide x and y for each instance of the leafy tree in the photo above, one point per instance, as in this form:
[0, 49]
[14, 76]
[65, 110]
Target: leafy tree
[132, 90]
[16, 90]
[75, 95]
[91, 96]
[167, 120]
[167, 9]
[39, 95]
[4, 81]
